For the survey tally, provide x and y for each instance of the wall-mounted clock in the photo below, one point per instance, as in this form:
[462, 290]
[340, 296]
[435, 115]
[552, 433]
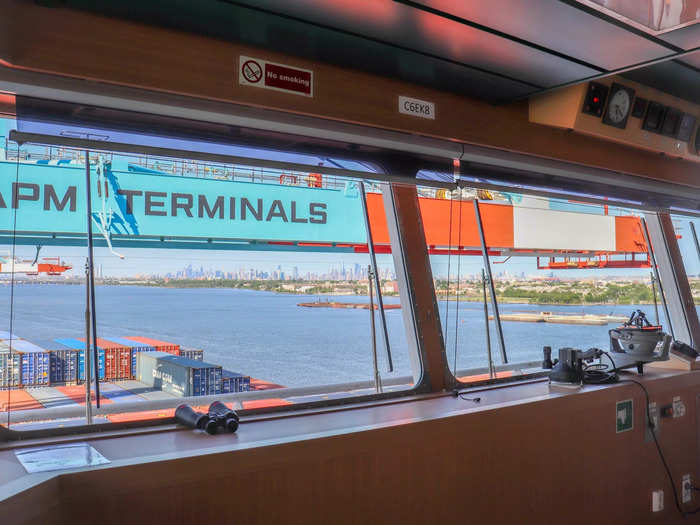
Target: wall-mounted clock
[619, 106]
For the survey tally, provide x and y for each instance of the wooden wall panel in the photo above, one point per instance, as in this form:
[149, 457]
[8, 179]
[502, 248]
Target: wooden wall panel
[39, 505]
[84, 45]
[552, 461]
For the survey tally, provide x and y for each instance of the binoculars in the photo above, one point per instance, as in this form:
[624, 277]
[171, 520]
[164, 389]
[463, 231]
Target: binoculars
[219, 416]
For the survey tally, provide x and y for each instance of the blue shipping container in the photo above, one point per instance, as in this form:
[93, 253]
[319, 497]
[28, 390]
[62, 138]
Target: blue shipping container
[35, 368]
[178, 375]
[63, 361]
[233, 382]
[80, 346]
[64, 366]
[213, 381]
[34, 363]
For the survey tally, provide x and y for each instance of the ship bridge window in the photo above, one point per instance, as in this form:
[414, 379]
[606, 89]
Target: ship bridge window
[256, 286]
[683, 265]
[515, 273]
[687, 229]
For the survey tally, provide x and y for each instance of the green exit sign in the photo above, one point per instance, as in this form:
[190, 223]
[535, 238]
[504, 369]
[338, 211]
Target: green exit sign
[624, 415]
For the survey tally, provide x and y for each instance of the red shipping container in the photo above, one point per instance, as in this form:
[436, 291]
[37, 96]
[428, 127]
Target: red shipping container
[117, 359]
[160, 346]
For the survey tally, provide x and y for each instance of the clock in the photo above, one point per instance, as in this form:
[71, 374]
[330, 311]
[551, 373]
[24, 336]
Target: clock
[619, 106]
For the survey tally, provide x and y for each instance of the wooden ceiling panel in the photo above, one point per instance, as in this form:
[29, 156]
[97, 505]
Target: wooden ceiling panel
[560, 27]
[692, 60]
[412, 28]
[686, 37]
[501, 50]
[670, 77]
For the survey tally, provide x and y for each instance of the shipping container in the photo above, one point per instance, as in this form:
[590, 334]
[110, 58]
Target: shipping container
[233, 382]
[35, 368]
[63, 362]
[178, 375]
[192, 353]
[5, 344]
[9, 369]
[135, 346]
[4, 336]
[213, 385]
[117, 359]
[34, 363]
[76, 344]
[160, 346]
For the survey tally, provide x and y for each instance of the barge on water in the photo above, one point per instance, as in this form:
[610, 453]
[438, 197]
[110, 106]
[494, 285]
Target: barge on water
[351, 306]
[561, 318]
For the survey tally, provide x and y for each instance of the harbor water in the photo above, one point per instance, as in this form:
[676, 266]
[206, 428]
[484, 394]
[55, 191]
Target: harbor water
[266, 335]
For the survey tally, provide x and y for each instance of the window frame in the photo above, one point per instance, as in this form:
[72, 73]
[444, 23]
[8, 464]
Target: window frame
[404, 154]
[416, 351]
[664, 244]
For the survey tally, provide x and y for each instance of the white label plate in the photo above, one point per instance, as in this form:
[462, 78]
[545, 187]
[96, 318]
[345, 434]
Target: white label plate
[417, 108]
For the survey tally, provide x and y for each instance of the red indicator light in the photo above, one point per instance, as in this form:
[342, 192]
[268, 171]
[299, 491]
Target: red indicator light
[596, 99]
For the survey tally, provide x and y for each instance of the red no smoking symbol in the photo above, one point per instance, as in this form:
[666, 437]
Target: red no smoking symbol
[252, 71]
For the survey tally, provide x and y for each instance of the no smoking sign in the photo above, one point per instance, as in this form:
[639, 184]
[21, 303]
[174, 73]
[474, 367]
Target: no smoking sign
[252, 71]
[278, 77]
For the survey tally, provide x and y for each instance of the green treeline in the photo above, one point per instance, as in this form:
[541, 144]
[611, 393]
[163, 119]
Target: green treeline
[635, 293]
[267, 286]
[534, 292]
[278, 286]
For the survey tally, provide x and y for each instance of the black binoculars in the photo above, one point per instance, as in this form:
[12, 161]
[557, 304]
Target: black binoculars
[219, 416]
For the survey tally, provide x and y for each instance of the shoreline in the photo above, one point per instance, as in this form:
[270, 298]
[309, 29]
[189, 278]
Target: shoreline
[344, 293]
[529, 302]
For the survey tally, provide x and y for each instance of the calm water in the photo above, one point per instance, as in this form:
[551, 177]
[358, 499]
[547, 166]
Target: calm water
[268, 336]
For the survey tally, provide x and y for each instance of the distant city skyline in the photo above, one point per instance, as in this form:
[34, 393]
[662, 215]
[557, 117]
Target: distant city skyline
[172, 263]
[343, 272]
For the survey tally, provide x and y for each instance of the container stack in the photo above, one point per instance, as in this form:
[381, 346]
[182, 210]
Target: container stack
[135, 347]
[34, 363]
[159, 364]
[192, 353]
[77, 344]
[160, 346]
[63, 361]
[233, 382]
[178, 375]
[9, 367]
[117, 359]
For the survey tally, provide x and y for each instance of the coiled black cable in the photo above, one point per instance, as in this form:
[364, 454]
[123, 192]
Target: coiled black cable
[598, 375]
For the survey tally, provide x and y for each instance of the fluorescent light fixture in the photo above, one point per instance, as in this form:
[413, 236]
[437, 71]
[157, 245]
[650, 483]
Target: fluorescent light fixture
[651, 16]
